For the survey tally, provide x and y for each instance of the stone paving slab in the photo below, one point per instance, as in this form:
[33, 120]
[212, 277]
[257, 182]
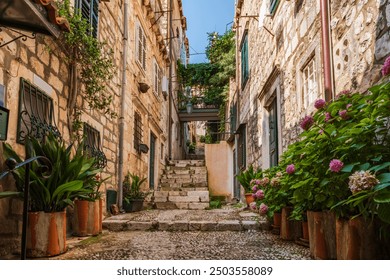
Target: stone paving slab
[231, 219]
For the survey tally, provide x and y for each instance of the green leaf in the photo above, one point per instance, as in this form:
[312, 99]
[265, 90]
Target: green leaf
[10, 194]
[377, 168]
[384, 177]
[377, 158]
[348, 168]
[384, 212]
[382, 198]
[381, 186]
[364, 167]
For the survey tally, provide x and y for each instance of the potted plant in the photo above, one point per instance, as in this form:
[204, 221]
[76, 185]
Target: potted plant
[245, 178]
[50, 195]
[133, 197]
[88, 213]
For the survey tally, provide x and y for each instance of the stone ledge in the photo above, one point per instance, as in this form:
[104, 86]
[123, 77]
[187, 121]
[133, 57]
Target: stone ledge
[116, 225]
[229, 225]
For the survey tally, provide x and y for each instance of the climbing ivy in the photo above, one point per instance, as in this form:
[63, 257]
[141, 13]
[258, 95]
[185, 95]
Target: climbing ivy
[92, 62]
[213, 77]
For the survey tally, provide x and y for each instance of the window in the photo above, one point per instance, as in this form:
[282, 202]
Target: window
[244, 60]
[241, 148]
[137, 130]
[36, 113]
[309, 83]
[157, 79]
[90, 11]
[141, 47]
[92, 145]
[272, 6]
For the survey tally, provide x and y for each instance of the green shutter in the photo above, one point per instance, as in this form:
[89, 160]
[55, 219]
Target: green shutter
[273, 5]
[244, 61]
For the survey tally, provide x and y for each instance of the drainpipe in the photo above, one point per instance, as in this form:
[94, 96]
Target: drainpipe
[326, 49]
[122, 112]
[170, 91]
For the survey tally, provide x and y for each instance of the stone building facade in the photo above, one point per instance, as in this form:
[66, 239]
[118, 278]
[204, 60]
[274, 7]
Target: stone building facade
[282, 65]
[41, 65]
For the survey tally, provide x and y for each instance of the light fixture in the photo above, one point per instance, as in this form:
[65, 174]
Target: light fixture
[189, 107]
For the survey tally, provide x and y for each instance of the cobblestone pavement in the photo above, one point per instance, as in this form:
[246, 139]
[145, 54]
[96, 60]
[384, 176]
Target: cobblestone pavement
[164, 245]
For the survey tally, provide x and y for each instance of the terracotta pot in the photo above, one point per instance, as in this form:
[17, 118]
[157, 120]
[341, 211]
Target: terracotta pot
[249, 198]
[356, 240]
[305, 230]
[86, 219]
[100, 215]
[277, 219]
[316, 235]
[46, 234]
[287, 226]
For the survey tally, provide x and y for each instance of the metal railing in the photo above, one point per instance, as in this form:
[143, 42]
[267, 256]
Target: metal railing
[12, 165]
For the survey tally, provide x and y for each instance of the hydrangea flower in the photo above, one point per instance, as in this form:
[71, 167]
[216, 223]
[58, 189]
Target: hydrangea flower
[307, 122]
[336, 165]
[264, 182]
[362, 180]
[348, 106]
[344, 92]
[254, 189]
[263, 209]
[253, 206]
[290, 169]
[275, 181]
[260, 194]
[328, 116]
[343, 114]
[319, 103]
[386, 67]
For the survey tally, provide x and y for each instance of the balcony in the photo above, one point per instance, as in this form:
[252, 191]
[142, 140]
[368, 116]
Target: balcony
[196, 109]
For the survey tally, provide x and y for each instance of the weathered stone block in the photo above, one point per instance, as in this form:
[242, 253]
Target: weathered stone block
[179, 226]
[184, 198]
[165, 205]
[181, 205]
[161, 199]
[161, 194]
[177, 193]
[138, 225]
[229, 225]
[114, 225]
[250, 225]
[208, 226]
[198, 206]
[195, 225]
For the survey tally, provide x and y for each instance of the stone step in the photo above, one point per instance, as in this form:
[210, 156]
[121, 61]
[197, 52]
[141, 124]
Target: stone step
[184, 225]
[181, 199]
[186, 163]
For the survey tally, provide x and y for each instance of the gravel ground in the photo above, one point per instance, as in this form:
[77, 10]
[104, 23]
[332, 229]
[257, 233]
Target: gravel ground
[228, 245]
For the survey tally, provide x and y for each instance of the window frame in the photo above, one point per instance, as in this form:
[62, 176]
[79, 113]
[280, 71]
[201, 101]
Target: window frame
[273, 5]
[138, 131]
[84, 7]
[244, 50]
[140, 46]
[307, 94]
[157, 78]
[30, 120]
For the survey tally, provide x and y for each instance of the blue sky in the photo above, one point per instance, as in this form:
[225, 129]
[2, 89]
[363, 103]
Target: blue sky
[205, 16]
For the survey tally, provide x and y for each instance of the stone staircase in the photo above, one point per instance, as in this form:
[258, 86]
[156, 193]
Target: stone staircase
[183, 185]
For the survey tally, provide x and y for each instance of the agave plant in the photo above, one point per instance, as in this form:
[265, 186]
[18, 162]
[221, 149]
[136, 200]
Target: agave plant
[66, 181]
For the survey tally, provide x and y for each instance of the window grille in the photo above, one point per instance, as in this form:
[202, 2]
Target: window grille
[92, 145]
[36, 113]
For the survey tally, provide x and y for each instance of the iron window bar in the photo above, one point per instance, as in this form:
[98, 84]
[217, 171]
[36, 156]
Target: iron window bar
[92, 145]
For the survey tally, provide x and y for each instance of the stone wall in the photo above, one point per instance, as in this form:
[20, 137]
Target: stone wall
[282, 48]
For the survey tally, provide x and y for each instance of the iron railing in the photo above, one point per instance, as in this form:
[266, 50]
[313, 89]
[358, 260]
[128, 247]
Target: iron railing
[12, 165]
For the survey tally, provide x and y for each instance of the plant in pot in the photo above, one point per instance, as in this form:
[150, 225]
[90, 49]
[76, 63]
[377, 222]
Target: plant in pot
[245, 178]
[49, 196]
[88, 213]
[133, 197]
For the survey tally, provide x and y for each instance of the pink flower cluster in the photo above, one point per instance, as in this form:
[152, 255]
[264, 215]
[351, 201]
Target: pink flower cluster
[319, 103]
[307, 122]
[263, 209]
[343, 114]
[290, 169]
[386, 67]
[260, 194]
[336, 165]
[328, 116]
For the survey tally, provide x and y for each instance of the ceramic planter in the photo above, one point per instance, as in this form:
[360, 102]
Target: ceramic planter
[46, 234]
[249, 198]
[287, 226]
[134, 205]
